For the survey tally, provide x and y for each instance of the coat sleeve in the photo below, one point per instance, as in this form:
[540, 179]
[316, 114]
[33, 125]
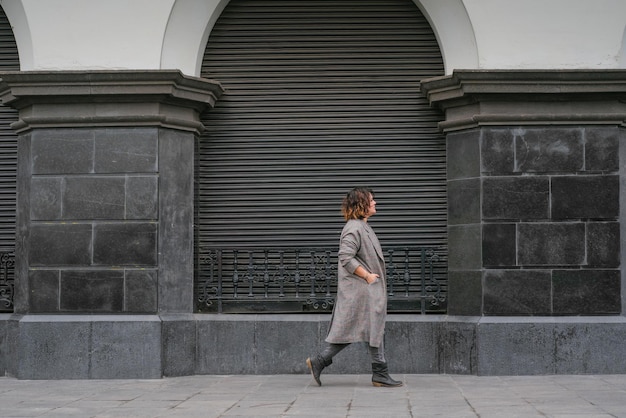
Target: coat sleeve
[348, 248]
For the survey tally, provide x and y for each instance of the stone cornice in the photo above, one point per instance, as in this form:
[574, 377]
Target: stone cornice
[472, 98]
[165, 98]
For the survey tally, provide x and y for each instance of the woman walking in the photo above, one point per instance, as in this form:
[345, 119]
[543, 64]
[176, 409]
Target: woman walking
[360, 310]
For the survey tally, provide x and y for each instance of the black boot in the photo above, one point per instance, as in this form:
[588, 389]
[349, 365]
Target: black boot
[316, 364]
[381, 378]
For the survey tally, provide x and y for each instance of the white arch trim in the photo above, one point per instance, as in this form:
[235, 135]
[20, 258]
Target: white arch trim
[187, 33]
[183, 47]
[21, 31]
[454, 32]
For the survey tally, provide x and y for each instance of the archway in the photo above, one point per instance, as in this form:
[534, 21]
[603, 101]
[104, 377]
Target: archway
[191, 22]
[320, 96]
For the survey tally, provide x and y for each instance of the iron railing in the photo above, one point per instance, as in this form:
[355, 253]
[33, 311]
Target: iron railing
[305, 279]
[7, 281]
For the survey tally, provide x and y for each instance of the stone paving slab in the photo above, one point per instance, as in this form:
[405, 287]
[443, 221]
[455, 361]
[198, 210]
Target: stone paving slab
[450, 396]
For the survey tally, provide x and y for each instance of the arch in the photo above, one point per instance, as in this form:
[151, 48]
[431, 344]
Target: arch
[21, 31]
[191, 22]
[454, 32]
[308, 84]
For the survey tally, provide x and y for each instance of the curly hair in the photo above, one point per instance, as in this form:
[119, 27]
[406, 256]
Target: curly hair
[356, 203]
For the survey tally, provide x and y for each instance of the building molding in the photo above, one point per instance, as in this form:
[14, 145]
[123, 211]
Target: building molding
[72, 99]
[473, 98]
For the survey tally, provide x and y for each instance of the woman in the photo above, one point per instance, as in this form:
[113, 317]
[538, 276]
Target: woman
[361, 306]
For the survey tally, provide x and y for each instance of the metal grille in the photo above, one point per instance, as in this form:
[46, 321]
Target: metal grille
[305, 279]
[320, 96]
[7, 281]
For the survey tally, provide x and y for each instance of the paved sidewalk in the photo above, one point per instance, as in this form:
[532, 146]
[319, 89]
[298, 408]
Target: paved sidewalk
[447, 396]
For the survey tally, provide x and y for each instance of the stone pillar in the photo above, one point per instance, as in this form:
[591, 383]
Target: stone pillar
[105, 216]
[533, 190]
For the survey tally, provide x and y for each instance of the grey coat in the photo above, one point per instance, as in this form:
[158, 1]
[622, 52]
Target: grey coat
[360, 308]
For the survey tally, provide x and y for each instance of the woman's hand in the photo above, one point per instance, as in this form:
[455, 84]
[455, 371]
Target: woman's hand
[371, 278]
[366, 275]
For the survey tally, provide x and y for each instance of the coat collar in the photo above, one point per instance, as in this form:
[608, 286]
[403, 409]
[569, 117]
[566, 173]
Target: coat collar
[370, 233]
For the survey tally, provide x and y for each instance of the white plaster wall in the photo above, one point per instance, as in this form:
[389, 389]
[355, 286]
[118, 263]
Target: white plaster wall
[169, 34]
[550, 34]
[89, 34]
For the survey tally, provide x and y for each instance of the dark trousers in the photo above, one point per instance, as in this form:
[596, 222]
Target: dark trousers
[377, 354]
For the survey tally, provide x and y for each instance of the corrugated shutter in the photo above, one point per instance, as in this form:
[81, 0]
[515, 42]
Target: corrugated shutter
[321, 96]
[9, 61]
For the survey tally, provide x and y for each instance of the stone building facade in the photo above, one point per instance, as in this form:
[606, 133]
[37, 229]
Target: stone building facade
[104, 245]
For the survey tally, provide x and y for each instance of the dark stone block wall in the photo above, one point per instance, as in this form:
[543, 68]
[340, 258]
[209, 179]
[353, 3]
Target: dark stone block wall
[534, 220]
[93, 220]
[104, 229]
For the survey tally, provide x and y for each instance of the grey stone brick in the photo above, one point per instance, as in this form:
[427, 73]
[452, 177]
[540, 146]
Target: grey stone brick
[497, 151]
[463, 155]
[465, 293]
[176, 235]
[517, 292]
[551, 244]
[594, 197]
[549, 150]
[412, 350]
[140, 291]
[458, 340]
[464, 201]
[523, 198]
[602, 149]
[7, 341]
[520, 348]
[92, 291]
[226, 347]
[62, 151]
[142, 199]
[179, 345]
[586, 292]
[44, 294]
[590, 347]
[125, 244]
[126, 150]
[499, 244]
[45, 198]
[60, 245]
[603, 244]
[283, 350]
[94, 198]
[126, 349]
[464, 247]
[54, 349]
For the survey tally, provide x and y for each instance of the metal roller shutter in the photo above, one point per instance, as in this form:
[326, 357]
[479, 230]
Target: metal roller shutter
[8, 142]
[320, 96]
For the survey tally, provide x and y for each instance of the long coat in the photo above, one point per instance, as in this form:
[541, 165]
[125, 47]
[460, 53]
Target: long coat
[360, 309]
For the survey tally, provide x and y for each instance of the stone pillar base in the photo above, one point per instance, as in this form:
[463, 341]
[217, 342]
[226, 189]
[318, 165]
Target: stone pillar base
[151, 347]
[84, 347]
